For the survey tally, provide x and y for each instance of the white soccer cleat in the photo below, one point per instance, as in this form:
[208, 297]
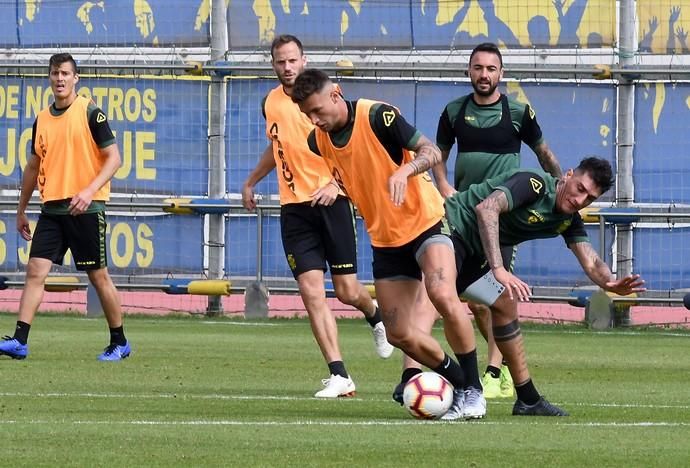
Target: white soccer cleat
[336, 386]
[383, 348]
[475, 404]
[456, 409]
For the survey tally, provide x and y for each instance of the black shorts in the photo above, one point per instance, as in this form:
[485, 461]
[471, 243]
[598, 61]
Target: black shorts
[401, 262]
[84, 235]
[472, 267]
[314, 235]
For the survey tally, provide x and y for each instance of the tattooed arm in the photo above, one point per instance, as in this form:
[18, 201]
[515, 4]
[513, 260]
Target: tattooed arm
[428, 155]
[488, 213]
[548, 160]
[599, 272]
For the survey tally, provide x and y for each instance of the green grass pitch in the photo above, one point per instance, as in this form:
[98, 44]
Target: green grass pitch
[224, 392]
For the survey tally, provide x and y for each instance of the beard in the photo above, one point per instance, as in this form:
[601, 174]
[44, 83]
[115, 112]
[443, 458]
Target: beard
[482, 92]
[287, 83]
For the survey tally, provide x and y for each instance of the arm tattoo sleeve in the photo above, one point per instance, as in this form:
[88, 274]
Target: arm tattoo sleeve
[427, 157]
[596, 269]
[548, 160]
[488, 213]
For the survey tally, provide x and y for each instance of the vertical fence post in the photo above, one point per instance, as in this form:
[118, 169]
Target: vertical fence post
[625, 140]
[256, 293]
[216, 149]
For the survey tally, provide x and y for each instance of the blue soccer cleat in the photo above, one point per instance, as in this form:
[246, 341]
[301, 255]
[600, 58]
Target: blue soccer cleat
[13, 348]
[115, 352]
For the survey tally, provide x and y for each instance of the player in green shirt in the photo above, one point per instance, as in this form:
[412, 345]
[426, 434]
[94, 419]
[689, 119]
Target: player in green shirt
[514, 207]
[489, 128]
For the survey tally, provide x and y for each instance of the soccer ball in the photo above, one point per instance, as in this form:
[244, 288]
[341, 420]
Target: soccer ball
[428, 395]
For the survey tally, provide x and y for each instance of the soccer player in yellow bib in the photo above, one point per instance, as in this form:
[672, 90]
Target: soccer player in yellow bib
[74, 156]
[316, 219]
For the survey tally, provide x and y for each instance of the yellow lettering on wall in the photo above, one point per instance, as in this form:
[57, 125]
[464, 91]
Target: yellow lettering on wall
[121, 256]
[8, 161]
[126, 145]
[99, 95]
[115, 100]
[3, 246]
[149, 103]
[3, 101]
[140, 151]
[132, 104]
[37, 98]
[12, 102]
[145, 154]
[85, 92]
[145, 243]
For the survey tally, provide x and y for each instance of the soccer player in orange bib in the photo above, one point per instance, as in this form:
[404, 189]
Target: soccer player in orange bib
[316, 219]
[74, 156]
[369, 147]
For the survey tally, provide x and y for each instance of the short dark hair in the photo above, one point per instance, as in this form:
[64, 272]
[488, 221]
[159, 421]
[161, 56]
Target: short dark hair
[285, 39]
[308, 82]
[58, 59]
[487, 47]
[599, 170]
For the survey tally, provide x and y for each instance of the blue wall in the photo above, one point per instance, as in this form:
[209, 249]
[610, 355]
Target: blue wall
[329, 23]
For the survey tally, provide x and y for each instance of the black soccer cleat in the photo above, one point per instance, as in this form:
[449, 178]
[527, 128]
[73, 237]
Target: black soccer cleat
[540, 408]
[398, 393]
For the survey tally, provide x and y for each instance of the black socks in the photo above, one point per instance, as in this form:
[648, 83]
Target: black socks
[375, 319]
[495, 372]
[337, 368]
[21, 333]
[527, 393]
[117, 336]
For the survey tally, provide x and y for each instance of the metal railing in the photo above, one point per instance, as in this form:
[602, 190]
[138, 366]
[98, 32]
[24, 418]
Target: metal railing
[605, 216]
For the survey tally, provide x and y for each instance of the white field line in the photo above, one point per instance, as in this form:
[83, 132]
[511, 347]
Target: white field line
[286, 323]
[614, 332]
[183, 396]
[164, 396]
[522, 422]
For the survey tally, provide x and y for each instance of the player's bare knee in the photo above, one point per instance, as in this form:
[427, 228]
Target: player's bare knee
[311, 297]
[399, 339]
[444, 300]
[348, 295]
[479, 310]
[99, 278]
[36, 272]
[504, 309]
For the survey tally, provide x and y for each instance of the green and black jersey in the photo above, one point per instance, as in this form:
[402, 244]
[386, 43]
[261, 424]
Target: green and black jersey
[531, 211]
[488, 137]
